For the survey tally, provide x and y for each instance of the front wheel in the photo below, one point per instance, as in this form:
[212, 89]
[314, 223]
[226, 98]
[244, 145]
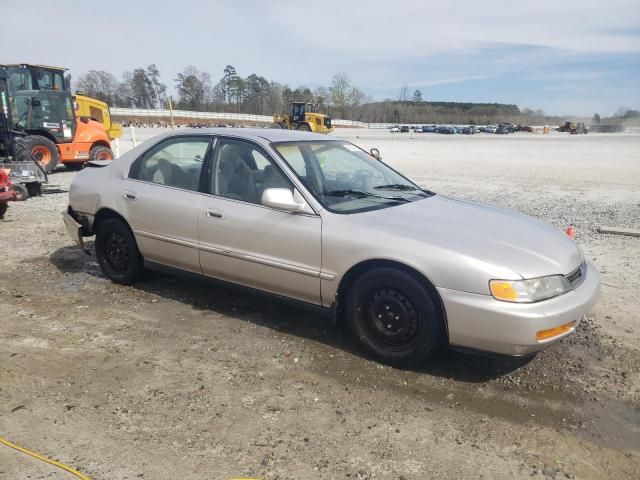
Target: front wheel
[43, 150]
[304, 127]
[117, 252]
[394, 316]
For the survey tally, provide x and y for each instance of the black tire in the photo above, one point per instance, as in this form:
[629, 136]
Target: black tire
[22, 193]
[75, 166]
[276, 125]
[117, 252]
[304, 127]
[100, 152]
[36, 145]
[3, 210]
[34, 189]
[415, 326]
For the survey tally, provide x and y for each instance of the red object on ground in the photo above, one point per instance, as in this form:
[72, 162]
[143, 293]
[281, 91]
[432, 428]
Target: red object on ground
[571, 232]
[6, 194]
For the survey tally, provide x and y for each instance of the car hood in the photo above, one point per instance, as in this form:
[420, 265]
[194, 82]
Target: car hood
[493, 236]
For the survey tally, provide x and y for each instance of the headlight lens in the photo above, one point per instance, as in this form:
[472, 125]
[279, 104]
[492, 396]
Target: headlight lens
[528, 291]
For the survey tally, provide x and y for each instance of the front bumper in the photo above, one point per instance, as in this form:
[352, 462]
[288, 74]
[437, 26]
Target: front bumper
[483, 323]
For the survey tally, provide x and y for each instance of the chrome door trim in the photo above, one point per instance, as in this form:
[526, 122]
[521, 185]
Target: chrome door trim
[176, 241]
[268, 262]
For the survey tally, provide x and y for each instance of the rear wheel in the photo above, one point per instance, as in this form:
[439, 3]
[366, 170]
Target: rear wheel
[100, 152]
[304, 127]
[3, 209]
[43, 150]
[117, 252]
[394, 316]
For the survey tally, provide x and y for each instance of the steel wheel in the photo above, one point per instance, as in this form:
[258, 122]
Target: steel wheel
[100, 152]
[392, 313]
[42, 155]
[390, 317]
[117, 252]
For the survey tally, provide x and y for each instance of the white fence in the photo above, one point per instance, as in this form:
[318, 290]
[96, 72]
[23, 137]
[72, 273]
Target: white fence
[142, 114]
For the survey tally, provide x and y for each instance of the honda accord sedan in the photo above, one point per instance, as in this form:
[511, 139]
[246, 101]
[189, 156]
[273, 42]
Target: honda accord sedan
[318, 220]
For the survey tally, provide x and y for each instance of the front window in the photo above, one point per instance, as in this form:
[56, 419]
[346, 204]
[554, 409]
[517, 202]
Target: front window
[19, 79]
[241, 171]
[344, 179]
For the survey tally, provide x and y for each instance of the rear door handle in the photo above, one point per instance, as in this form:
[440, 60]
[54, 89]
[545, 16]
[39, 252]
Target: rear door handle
[212, 213]
[129, 195]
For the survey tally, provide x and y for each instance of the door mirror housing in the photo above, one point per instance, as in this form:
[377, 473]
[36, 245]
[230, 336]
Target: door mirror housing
[375, 153]
[285, 199]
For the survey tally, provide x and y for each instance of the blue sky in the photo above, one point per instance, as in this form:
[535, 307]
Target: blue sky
[568, 57]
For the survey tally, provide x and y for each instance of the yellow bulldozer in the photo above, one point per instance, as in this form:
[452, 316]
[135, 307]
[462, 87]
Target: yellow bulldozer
[303, 116]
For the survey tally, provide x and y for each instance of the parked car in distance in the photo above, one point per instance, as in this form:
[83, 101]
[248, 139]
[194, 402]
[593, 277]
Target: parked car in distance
[394, 129]
[321, 222]
[404, 129]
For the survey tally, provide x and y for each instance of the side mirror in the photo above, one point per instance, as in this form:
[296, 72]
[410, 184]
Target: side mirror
[376, 153]
[284, 199]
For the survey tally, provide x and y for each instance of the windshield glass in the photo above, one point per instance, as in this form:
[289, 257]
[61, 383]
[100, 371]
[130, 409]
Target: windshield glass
[42, 109]
[345, 179]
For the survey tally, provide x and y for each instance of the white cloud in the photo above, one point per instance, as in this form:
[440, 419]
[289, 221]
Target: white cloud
[419, 27]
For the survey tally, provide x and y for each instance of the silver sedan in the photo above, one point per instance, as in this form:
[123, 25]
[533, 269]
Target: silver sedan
[320, 221]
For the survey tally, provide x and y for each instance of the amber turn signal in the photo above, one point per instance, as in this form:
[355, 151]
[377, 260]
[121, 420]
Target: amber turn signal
[554, 332]
[503, 290]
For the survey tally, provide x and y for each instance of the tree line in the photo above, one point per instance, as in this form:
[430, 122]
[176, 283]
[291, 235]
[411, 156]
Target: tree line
[196, 90]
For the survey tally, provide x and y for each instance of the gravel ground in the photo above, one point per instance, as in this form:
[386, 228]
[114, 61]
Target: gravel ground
[174, 378]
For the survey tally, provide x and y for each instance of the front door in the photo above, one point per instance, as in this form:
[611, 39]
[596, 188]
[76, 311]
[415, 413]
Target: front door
[162, 200]
[244, 242]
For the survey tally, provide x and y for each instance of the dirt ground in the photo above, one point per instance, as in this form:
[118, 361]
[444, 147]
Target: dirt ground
[179, 379]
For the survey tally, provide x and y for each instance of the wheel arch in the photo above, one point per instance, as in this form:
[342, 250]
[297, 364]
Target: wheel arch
[43, 133]
[357, 270]
[100, 143]
[106, 213]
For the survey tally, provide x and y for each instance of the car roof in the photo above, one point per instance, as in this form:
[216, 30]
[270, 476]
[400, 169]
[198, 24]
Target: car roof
[268, 134]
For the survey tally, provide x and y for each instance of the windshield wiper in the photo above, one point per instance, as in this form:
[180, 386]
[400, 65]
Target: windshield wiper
[361, 194]
[397, 186]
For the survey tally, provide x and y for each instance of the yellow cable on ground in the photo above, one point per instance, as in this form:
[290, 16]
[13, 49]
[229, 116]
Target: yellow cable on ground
[44, 459]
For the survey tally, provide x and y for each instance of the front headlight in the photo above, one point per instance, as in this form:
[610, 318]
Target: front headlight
[528, 291]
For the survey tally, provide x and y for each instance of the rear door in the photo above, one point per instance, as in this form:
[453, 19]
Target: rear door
[162, 200]
[244, 242]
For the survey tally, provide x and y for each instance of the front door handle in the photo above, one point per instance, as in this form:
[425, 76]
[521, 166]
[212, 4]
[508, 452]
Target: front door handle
[212, 213]
[129, 195]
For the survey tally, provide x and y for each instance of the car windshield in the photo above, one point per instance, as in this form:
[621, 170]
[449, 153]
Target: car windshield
[345, 179]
